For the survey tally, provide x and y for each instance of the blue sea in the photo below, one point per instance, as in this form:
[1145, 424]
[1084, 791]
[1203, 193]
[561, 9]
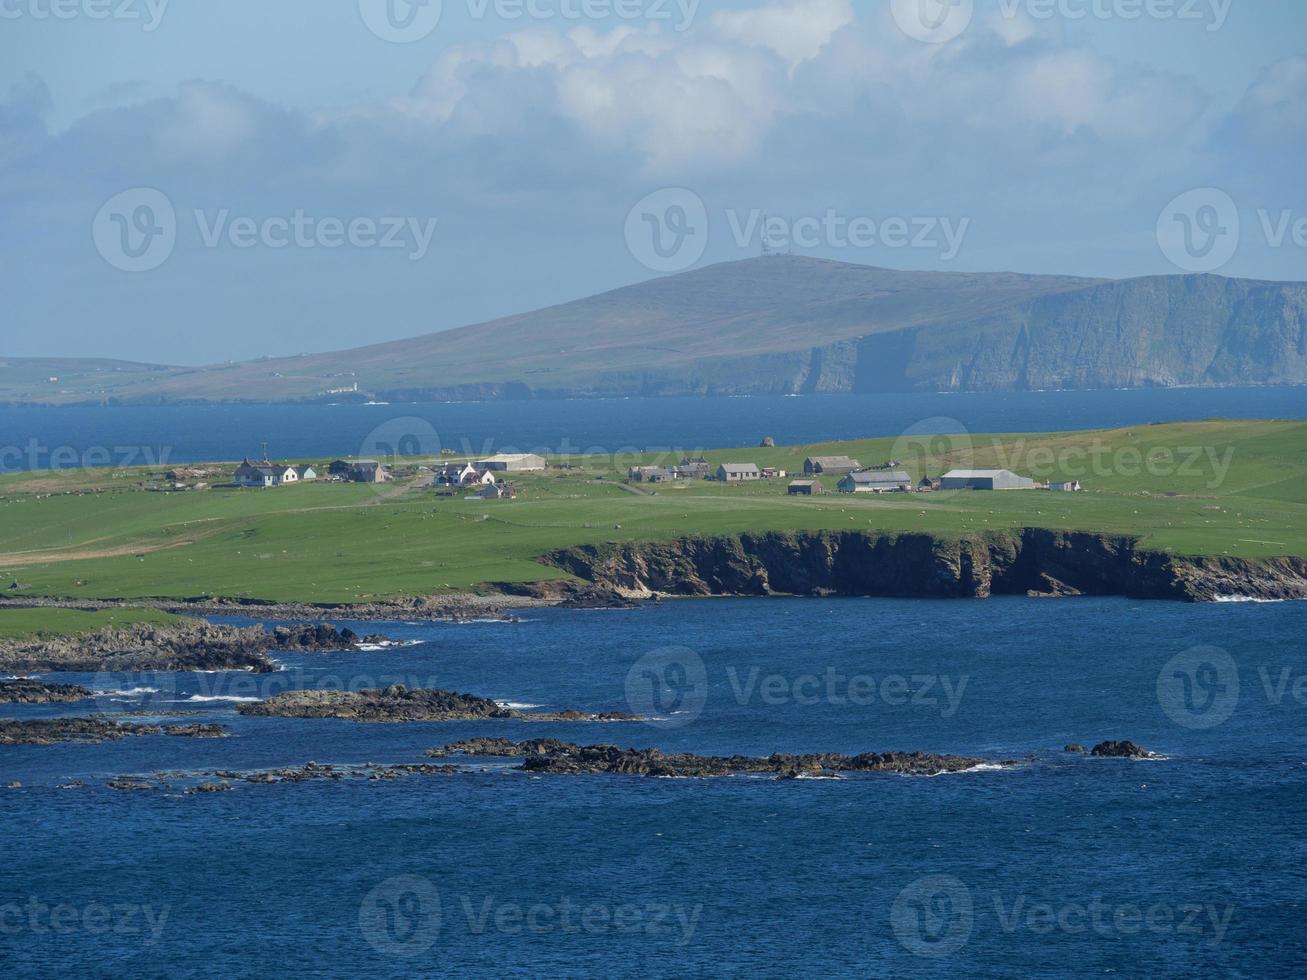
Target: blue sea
[1193, 863]
[44, 437]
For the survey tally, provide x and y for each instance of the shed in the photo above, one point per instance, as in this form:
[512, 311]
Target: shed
[815, 465]
[737, 472]
[512, 463]
[876, 481]
[805, 488]
[985, 480]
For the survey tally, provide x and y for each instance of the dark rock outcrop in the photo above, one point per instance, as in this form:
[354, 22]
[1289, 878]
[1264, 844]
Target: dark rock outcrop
[25, 690]
[1074, 747]
[50, 731]
[856, 563]
[187, 645]
[398, 703]
[566, 758]
[1121, 750]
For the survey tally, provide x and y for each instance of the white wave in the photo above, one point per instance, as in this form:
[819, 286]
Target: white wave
[518, 705]
[129, 692]
[387, 644]
[1247, 598]
[220, 697]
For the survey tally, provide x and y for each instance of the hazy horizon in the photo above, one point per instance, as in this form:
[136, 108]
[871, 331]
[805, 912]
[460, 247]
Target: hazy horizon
[190, 185]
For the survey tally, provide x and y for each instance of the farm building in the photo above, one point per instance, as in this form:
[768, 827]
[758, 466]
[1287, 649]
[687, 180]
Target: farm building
[985, 480]
[876, 481]
[264, 474]
[695, 468]
[650, 474]
[359, 470]
[512, 463]
[1070, 486]
[463, 475]
[737, 472]
[306, 473]
[804, 488]
[814, 465]
[772, 473]
[928, 483]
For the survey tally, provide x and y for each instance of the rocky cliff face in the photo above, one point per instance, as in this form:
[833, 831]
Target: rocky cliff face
[1031, 561]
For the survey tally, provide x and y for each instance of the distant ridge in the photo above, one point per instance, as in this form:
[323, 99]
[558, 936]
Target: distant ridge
[774, 325]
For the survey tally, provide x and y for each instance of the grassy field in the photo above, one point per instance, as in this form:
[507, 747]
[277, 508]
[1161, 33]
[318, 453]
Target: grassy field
[1217, 487]
[22, 623]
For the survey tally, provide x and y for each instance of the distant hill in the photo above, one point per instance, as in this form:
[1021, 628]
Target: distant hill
[782, 324]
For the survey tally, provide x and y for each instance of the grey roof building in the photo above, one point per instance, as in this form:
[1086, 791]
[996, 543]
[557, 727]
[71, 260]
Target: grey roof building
[814, 465]
[735, 472]
[984, 480]
[876, 481]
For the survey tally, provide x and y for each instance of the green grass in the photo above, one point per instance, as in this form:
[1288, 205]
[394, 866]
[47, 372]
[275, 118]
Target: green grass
[1212, 488]
[25, 623]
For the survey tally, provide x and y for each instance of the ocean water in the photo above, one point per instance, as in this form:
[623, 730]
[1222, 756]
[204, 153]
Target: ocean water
[1192, 864]
[37, 437]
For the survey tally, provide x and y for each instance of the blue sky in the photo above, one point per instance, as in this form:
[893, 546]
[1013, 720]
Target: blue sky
[324, 187]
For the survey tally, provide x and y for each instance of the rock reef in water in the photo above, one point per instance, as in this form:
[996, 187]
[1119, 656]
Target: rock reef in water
[51, 731]
[188, 645]
[398, 703]
[25, 690]
[1121, 750]
[547, 755]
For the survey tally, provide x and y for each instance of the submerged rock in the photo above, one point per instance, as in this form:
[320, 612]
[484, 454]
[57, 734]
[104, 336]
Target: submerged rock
[1074, 747]
[565, 758]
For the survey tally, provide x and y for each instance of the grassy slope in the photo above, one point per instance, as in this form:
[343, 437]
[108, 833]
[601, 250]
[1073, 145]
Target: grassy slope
[338, 543]
[23, 623]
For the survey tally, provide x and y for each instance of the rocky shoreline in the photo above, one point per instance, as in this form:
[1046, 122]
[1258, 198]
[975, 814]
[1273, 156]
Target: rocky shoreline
[184, 646]
[547, 755]
[1029, 561]
[398, 703]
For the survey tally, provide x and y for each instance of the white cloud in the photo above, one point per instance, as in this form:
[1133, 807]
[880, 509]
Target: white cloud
[796, 30]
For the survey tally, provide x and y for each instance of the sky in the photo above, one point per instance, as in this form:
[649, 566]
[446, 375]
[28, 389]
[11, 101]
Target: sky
[192, 182]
